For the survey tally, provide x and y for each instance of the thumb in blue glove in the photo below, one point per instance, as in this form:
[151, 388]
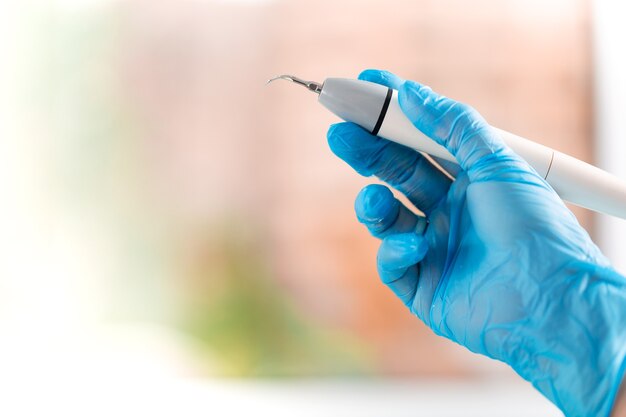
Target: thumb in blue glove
[498, 263]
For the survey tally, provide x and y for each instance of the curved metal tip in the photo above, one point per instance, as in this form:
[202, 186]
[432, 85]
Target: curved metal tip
[310, 85]
[281, 77]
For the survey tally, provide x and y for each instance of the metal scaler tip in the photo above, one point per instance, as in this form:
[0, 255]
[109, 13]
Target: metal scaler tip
[310, 85]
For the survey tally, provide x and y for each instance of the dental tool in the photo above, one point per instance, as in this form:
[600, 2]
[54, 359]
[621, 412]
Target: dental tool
[375, 108]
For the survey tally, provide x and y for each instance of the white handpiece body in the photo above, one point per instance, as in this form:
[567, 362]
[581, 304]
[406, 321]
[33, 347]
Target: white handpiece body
[376, 108]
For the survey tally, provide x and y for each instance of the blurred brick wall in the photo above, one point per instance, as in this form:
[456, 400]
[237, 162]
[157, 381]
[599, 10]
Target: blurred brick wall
[225, 143]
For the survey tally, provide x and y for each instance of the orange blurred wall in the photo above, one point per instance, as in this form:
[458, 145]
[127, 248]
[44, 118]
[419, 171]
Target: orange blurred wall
[222, 145]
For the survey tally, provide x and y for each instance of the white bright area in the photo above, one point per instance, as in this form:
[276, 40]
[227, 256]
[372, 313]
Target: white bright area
[610, 107]
[57, 359]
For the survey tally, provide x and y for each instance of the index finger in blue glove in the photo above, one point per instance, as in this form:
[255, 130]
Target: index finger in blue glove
[403, 168]
[381, 77]
[456, 126]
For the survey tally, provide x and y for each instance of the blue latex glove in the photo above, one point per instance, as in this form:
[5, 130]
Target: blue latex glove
[498, 264]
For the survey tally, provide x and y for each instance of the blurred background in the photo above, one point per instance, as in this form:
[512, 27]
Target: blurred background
[176, 237]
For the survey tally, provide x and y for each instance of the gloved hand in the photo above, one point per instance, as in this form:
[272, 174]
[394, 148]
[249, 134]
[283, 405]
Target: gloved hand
[498, 263]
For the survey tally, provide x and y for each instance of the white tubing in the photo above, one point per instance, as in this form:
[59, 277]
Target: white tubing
[575, 181]
[587, 186]
[538, 156]
[398, 128]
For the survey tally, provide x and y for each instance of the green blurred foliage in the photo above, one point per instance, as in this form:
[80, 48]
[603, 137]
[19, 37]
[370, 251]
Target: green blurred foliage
[95, 145]
[248, 322]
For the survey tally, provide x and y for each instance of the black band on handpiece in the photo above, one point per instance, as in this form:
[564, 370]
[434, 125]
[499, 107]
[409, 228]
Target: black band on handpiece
[383, 112]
